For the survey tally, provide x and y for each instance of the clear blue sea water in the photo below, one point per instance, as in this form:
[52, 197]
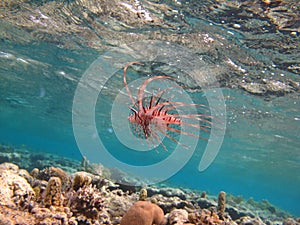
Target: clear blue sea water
[259, 157]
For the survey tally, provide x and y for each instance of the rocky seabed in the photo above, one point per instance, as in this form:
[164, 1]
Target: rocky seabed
[53, 196]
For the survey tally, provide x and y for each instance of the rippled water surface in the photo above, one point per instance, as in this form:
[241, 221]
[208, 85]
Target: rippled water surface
[46, 48]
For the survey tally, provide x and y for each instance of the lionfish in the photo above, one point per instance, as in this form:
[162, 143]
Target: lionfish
[158, 116]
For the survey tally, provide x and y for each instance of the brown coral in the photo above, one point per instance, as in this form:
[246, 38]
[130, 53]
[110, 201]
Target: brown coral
[47, 173]
[80, 180]
[221, 202]
[143, 194]
[143, 213]
[53, 195]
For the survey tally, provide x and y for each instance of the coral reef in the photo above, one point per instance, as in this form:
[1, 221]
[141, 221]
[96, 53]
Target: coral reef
[47, 173]
[178, 217]
[35, 161]
[221, 202]
[143, 213]
[42, 198]
[203, 194]
[206, 216]
[15, 191]
[53, 195]
[81, 179]
[291, 221]
[143, 194]
[87, 201]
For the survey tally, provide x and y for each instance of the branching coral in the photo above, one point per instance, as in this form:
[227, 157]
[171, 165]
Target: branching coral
[87, 201]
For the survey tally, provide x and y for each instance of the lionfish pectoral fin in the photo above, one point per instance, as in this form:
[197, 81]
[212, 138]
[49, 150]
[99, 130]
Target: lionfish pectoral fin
[156, 136]
[173, 139]
[133, 110]
[135, 113]
[151, 101]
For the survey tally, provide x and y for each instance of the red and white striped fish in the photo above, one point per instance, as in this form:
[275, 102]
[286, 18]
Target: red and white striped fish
[157, 115]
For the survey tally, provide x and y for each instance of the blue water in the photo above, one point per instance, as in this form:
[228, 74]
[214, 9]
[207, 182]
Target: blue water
[259, 157]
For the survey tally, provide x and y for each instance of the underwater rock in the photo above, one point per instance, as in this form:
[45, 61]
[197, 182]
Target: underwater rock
[173, 192]
[236, 213]
[277, 87]
[168, 192]
[143, 213]
[254, 88]
[9, 166]
[246, 220]
[97, 169]
[290, 221]
[5, 220]
[205, 203]
[117, 203]
[284, 16]
[124, 181]
[73, 221]
[205, 216]
[269, 87]
[52, 215]
[35, 161]
[15, 191]
[264, 209]
[169, 203]
[24, 173]
[10, 216]
[178, 216]
[4, 157]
